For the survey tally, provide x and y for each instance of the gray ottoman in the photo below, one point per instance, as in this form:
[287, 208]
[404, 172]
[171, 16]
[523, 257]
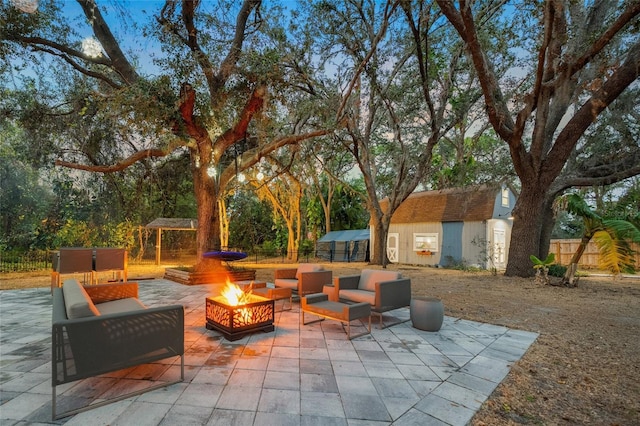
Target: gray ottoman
[427, 313]
[319, 305]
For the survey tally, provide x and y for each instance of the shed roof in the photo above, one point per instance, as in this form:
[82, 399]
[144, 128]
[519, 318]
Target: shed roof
[447, 205]
[176, 224]
[346, 235]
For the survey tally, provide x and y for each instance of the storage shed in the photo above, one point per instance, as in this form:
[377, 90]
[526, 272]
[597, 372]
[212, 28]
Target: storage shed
[470, 226]
[344, 246]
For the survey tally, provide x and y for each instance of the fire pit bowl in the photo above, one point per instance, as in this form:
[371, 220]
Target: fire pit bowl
[236, 321]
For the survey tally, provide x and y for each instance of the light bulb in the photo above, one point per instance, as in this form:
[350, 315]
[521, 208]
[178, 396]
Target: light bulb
[91, 47]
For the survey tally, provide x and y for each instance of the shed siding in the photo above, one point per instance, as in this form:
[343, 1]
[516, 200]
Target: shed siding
[500, 211]
[405, 248]
[470, 247]
[474, 237]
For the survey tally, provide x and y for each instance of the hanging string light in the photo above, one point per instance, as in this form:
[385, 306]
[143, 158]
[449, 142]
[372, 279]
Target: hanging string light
[91, 47]
[26, 6]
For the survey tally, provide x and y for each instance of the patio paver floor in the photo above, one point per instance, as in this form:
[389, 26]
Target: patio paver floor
[295, 375]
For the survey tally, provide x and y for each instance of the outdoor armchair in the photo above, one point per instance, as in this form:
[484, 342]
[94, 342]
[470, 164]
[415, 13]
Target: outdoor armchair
[383, 290]
[307, 278]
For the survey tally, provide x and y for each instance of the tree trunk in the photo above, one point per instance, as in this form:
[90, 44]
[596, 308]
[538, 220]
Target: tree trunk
[380, 244]
[526, 233]
[547, 223]
[208, 232]
[224, 223]
[570, 275]
[327, 219]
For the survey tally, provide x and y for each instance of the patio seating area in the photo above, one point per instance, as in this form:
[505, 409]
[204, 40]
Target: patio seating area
[296, 374]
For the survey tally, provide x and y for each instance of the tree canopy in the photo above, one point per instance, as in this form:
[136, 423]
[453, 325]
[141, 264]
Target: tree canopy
[183, 97]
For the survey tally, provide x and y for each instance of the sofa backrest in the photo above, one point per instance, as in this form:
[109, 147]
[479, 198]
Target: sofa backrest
[308, 267]
[369, 278]
[77, 302]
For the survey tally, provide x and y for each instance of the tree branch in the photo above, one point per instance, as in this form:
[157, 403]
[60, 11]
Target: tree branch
[625, 75]
[625, 18]
[497, 110]
[120, 63]
[147, 153]
[231, 136]
[35, 42]
[229, 62]
[188, 9]
[81, 69]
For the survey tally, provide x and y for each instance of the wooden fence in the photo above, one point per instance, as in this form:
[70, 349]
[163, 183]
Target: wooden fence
[564, 250]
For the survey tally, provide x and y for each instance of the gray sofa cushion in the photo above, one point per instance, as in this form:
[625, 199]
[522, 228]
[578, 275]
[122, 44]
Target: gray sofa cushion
[369, 278]
[121, 305]
[286, 283]
[359, 296]
[77, 302]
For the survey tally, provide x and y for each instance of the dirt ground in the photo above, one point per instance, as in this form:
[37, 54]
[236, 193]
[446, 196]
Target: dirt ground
[582, 370]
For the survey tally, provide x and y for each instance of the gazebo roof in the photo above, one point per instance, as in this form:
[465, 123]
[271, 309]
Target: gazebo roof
[176, 224]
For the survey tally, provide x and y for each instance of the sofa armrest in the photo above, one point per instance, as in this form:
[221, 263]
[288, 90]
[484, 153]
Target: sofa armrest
[90, 346]
[107, 292]
[313, 282]
[289, 273]
[393, 294]
[314, 298]
[347, 282]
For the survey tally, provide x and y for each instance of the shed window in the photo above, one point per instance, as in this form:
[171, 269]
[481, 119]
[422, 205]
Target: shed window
[505, 197]
[425, 242]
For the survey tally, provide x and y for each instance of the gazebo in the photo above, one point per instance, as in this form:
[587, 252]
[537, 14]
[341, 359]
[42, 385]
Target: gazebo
[170, 224]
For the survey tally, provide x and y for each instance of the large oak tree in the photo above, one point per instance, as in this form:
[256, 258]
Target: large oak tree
[230, 64]
[584, 56]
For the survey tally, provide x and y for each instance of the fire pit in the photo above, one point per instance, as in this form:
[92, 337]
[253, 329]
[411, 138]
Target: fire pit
[236, 313]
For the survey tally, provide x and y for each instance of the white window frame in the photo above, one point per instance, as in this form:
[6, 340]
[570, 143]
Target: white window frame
[426, 241]
[505, 197]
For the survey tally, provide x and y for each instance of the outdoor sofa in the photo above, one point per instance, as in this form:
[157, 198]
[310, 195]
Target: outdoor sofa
[383, 290]
[104, 328]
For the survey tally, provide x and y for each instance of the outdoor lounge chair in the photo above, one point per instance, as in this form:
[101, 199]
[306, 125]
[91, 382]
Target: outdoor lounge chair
[307, 278]
[104, 328]
[383, 290]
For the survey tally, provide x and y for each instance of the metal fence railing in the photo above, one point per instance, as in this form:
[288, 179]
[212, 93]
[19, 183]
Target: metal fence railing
[25, 262]
[42, 260]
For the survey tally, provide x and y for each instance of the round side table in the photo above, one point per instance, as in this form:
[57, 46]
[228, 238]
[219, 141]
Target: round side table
[427, 313]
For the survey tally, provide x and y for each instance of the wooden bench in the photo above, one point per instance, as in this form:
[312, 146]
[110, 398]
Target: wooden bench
[320, 305]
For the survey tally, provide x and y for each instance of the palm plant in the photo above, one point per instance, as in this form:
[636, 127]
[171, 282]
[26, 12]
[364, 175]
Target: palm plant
[542, 267]
[611, 235]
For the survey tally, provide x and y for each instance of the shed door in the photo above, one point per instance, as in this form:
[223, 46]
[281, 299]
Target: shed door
[392, 247]
[499, 248]
[451, 243]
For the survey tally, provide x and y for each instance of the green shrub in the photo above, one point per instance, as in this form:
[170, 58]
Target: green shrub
[556, 270]
[269, 249]
[307, 247]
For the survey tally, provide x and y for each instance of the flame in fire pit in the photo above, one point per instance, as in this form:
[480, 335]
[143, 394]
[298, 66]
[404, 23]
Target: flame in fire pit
[234, 295]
